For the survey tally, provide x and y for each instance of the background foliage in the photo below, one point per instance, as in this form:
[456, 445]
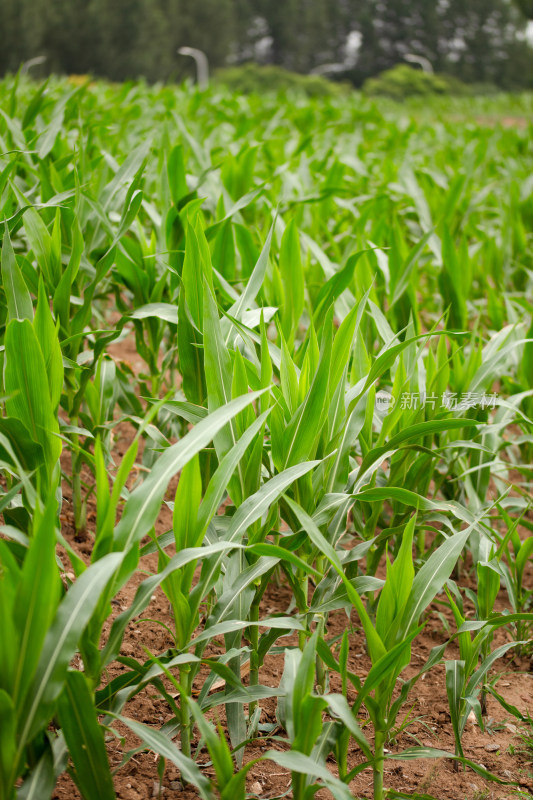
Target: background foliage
[476, 40]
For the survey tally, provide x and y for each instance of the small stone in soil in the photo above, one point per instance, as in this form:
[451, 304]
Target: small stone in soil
[256, 788]
[492, 748]
[176, 786]
[511, 727]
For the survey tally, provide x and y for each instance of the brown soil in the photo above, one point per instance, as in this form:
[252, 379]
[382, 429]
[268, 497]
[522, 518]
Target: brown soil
[499, 748]
[493, 121]
[505, 122]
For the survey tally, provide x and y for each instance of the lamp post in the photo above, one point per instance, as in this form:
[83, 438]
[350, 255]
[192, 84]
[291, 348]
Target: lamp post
[422, 61]
[202, 64]
[33, 62]
[351, 50]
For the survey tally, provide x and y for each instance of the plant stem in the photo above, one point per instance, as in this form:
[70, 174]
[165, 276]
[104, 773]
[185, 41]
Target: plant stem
[521, 628]
[483, 701]
[77, 500]
[254, 655]
[421, 543]
[341, 752]
[304, 585]
[185, 717]
[298, 785]
[321, 672]
[485, 653]
[379, 761]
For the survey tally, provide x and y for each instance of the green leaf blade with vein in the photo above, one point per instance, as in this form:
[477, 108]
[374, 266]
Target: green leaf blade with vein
[85, 739]
[19, 305]
[143, 506]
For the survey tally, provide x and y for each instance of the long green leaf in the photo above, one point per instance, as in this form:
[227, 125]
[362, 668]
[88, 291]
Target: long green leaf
[60, 644]
[19, 305]
[142, 508]
[85, 739]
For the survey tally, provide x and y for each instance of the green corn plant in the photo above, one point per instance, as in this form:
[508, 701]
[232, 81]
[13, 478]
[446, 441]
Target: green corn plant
[139, 515]
[59, 255]
[192, 523]
[192, 516]
[227, 781]
[43, 627]
[138, 273]
[402, 601]
[231, 782]
[237, 596]
[161, 744]
[33, 370]
[188, 535]
[512, 555]
[300, 711]
[466, 677]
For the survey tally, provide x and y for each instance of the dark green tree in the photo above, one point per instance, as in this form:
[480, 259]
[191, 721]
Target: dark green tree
[526, 7]
[484, 41]
[306, 33]
[475, 40]
[23, 25]
[132, 39]
[209, 25]
[393, 29]
[70, 37]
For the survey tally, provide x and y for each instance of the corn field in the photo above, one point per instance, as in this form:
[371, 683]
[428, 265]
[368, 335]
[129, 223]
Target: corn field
[265, 445]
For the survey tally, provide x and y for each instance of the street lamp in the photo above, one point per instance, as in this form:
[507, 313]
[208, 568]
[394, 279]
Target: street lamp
[33, 62]
[422, 61]
[202, 64]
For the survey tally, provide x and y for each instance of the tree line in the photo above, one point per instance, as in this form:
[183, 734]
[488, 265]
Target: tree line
[476, 40]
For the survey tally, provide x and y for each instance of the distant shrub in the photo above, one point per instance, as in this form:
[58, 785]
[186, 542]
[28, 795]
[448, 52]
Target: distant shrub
[251, 78]
[404, 81]
[483, 89]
